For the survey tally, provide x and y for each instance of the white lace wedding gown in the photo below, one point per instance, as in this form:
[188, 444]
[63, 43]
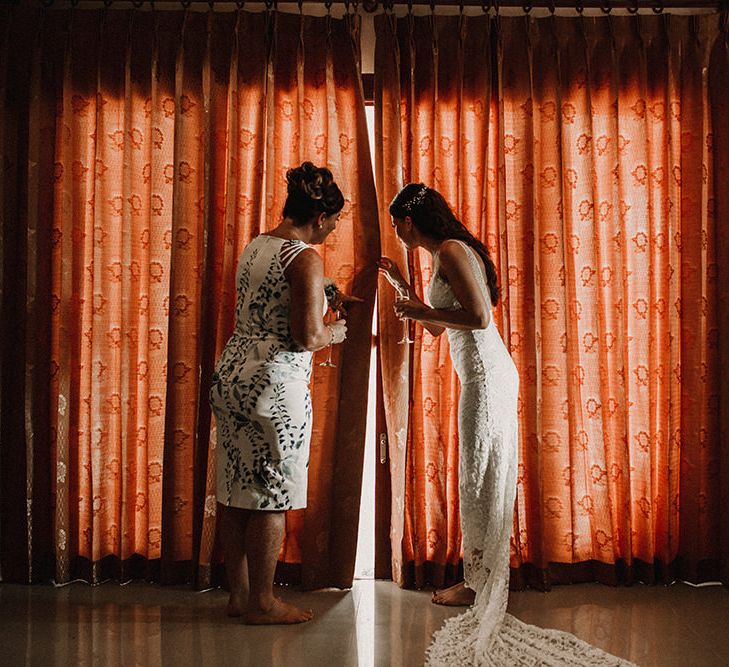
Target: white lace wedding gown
[487, 426]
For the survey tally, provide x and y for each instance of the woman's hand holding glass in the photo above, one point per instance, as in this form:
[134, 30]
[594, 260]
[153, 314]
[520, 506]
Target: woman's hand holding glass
[337, 333]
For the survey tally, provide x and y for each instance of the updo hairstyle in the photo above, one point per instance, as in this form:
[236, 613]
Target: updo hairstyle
[311, 191]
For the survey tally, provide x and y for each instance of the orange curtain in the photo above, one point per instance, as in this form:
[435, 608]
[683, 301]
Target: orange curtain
[426, 98]
[145, 149]
[582, 152]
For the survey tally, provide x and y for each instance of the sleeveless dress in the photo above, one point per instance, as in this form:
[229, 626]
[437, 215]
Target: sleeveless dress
[260, 392]
[487, 443]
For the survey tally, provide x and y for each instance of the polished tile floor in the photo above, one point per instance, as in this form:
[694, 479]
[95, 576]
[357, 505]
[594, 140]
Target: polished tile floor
[373, 624]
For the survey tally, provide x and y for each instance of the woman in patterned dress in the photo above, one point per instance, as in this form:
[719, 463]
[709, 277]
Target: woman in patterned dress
[260, 393]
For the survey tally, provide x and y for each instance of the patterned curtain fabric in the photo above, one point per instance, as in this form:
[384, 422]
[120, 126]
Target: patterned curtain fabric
[588, 155]
[419, 89]
[142, 151]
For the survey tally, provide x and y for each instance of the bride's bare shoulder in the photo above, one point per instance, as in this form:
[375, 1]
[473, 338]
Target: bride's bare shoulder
[452, 251]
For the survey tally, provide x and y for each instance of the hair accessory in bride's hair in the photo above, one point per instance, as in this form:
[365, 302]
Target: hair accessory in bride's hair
[417, 198]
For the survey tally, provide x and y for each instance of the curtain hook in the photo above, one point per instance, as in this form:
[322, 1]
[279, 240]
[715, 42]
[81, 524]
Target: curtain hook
[526, 8]
[580, 6]
[634, 8]
[328, 5]
[611, 30]
[130, 26]
[696, 29]
[433, 29]
[606, 7]
[155, 31]
[102, 23]
[552, 7]
[657, 7]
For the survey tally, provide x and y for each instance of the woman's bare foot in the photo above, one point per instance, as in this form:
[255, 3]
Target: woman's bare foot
[455, 596]
[236, 605]
[280, 613]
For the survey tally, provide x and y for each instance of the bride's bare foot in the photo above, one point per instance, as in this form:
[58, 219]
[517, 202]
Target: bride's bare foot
[455, 596]
[279, 614]
[236, 605]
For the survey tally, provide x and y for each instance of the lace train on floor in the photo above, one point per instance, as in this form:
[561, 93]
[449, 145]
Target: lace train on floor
[514, 644]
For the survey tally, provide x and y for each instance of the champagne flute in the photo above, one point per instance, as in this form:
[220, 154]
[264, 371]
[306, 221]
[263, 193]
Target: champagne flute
[405, 340]
[328, 361]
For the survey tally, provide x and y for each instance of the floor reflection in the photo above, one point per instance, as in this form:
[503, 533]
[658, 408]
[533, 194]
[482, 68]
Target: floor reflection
[374, 624]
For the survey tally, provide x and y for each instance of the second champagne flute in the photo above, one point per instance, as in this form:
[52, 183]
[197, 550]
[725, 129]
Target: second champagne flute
[328, 361]
[405, 340]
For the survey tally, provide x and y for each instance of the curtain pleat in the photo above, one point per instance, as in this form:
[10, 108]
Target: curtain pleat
[394, 357]
[38, 309]
[583, 152]
[12, 462]
[142, 152]
[718, 72]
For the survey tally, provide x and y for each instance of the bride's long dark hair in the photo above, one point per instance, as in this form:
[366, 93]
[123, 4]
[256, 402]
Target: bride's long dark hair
[433, 217]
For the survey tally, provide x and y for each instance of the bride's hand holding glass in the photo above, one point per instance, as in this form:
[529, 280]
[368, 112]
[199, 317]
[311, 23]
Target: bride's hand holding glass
[409, 308]
[392, 273]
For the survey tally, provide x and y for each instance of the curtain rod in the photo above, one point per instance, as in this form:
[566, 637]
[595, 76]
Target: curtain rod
[606, 6]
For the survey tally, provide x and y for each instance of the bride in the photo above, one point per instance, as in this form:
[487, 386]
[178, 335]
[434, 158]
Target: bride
[462, 292]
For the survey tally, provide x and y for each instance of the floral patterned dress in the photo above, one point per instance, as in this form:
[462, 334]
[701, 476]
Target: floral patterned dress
[260, 394]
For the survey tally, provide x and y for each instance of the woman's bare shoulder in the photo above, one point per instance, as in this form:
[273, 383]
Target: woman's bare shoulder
[308, 261]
